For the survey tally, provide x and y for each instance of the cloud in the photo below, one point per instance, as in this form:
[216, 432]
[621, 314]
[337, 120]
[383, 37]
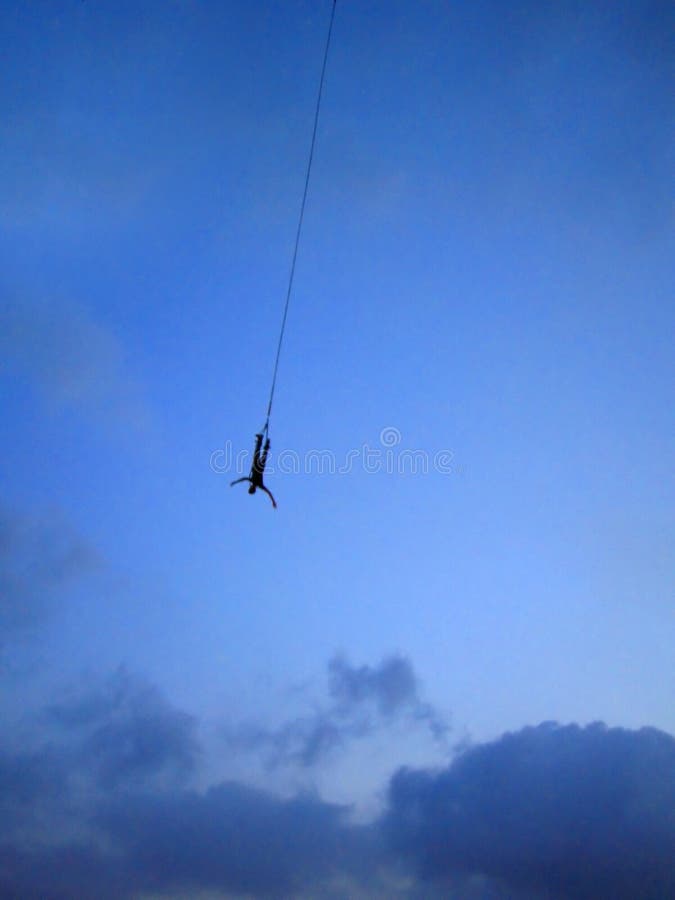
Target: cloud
[361, 701]
[73, 361]
[229, 841]
[47, 872]
[117, 734]
[550, 811]
[32, 782]
[237, 839]
[39, 556]
[107, 798]
[125, 731]
[391, 688]
[105, 807]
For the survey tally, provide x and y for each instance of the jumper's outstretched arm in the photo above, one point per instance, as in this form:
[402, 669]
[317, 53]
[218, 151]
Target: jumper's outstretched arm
[239, 480]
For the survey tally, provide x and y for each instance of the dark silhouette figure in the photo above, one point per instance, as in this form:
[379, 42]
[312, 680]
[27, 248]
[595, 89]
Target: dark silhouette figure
[255, 478]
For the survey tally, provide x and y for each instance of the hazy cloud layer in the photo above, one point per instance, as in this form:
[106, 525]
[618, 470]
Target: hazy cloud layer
[38, 557]
[361, 700]
[72, 360]
[105, 806]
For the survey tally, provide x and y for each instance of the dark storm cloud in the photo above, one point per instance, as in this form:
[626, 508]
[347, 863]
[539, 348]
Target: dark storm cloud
[234, 838]
[125, 730]
[31, 783]
[231, 840]
[549, 811]
[38, 557]
[119, 734]
[60, 873]
[66, 832]
[362, 699]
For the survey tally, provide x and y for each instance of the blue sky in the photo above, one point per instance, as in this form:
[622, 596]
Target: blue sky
[485, 266]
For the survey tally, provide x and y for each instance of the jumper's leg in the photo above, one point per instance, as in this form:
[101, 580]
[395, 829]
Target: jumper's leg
[269, 494]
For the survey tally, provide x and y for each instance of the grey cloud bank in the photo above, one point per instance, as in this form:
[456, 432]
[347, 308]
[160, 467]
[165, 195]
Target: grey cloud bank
[552, 811]
[106, 807]
[102, 800]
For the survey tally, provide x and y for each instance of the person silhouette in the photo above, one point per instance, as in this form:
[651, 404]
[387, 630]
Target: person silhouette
[255, 477]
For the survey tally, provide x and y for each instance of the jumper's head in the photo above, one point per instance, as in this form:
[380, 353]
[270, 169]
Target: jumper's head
[251, 489]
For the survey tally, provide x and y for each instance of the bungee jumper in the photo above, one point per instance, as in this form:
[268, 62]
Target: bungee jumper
[255, 477]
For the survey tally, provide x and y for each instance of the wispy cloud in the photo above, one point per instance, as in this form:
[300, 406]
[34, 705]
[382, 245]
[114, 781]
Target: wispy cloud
[361, 701]
[39, 557]
[72, 360]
